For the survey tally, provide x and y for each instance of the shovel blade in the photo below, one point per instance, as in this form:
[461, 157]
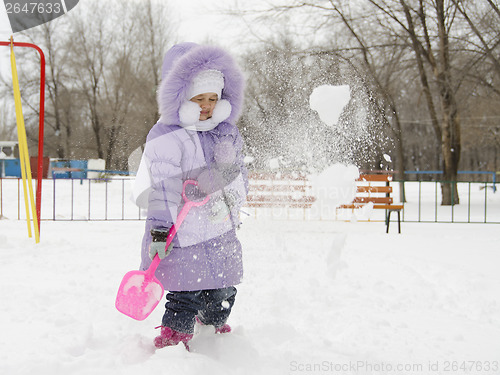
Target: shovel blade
[138, 295]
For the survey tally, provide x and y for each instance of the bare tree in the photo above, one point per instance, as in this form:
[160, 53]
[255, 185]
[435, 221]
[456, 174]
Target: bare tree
[57, 123]
[436, 53]
[117, 61]
[483, 40]
[382, 35]
[432, 28]
[156, 31]
[7, 121]
[91, 54]
[59, 86]
[278, 123]
[102, 71]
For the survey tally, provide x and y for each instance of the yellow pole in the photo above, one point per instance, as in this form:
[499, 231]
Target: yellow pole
[23, 149]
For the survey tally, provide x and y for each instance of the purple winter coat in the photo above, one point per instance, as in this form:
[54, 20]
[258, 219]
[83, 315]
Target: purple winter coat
[206, 253]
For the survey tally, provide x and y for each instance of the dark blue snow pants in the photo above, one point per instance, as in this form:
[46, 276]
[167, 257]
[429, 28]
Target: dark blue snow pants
[211, 306]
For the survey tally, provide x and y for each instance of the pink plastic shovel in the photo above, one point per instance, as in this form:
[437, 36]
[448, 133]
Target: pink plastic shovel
[140, 291]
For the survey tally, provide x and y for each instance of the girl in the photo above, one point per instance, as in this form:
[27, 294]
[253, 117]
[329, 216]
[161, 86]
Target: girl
[200, 98]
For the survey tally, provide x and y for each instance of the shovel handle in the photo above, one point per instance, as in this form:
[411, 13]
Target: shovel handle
[180, 218]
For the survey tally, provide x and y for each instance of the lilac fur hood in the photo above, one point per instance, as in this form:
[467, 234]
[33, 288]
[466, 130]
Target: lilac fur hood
[182, 63]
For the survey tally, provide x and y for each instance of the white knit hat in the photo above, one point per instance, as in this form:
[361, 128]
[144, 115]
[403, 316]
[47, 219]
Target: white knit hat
[206, 81]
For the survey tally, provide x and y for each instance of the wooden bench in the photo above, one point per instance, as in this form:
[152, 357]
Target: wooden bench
[268, 189]
[376, 189]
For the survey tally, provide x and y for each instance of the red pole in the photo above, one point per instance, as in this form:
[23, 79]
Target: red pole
[40, 123]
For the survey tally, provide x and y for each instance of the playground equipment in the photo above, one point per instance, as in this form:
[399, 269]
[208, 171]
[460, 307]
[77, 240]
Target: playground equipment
[23, 144]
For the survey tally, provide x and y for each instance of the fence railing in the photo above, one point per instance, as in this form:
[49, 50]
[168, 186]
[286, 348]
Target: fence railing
[74, 199]
[109, 199]
[479, 202]
[419, 174]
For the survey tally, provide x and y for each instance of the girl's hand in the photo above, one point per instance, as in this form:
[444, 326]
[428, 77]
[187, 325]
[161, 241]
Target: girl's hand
[159, 248]
[159, 243]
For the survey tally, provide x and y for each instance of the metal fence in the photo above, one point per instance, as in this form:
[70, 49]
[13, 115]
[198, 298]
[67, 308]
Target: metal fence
[74, 199]
[109, 199]
[479, 202]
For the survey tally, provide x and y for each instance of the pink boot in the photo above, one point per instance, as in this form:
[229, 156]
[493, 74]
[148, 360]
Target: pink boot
[169, 337]
[226, 328]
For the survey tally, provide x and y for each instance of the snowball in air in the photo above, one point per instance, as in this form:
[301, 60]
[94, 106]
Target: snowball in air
[334, 186]
[329, 101]
[274, 163]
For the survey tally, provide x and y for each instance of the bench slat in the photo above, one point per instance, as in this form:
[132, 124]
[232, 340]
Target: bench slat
[372, 199]
[279, 198]
[379, 195]
[268, 189]
[374, 189]
[375, 177]
[394, 207]
[276, 204]
[268, 176]
[278, 188]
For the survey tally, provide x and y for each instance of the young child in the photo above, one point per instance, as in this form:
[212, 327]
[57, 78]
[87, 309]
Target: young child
[200, 98]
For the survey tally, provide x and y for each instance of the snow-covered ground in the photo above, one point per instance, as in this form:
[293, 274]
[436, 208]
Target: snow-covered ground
[318, 297]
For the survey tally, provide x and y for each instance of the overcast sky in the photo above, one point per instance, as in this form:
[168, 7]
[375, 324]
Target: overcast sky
[199, 18]
[196, 20]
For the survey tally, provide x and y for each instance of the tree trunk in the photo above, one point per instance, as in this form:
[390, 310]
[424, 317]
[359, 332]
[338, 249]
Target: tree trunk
[450, 141]
[451, 157]
[96, 127]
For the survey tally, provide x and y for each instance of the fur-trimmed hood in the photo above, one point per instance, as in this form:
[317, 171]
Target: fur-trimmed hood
[181, 64]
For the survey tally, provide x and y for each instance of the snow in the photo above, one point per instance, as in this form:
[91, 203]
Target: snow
[329, 101]
[135, 281]
[334, 186]
[248, 159]
[318, 296]
[274, 163]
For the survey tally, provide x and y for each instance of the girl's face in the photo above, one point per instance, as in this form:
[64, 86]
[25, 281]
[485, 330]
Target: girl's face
[207, 102]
